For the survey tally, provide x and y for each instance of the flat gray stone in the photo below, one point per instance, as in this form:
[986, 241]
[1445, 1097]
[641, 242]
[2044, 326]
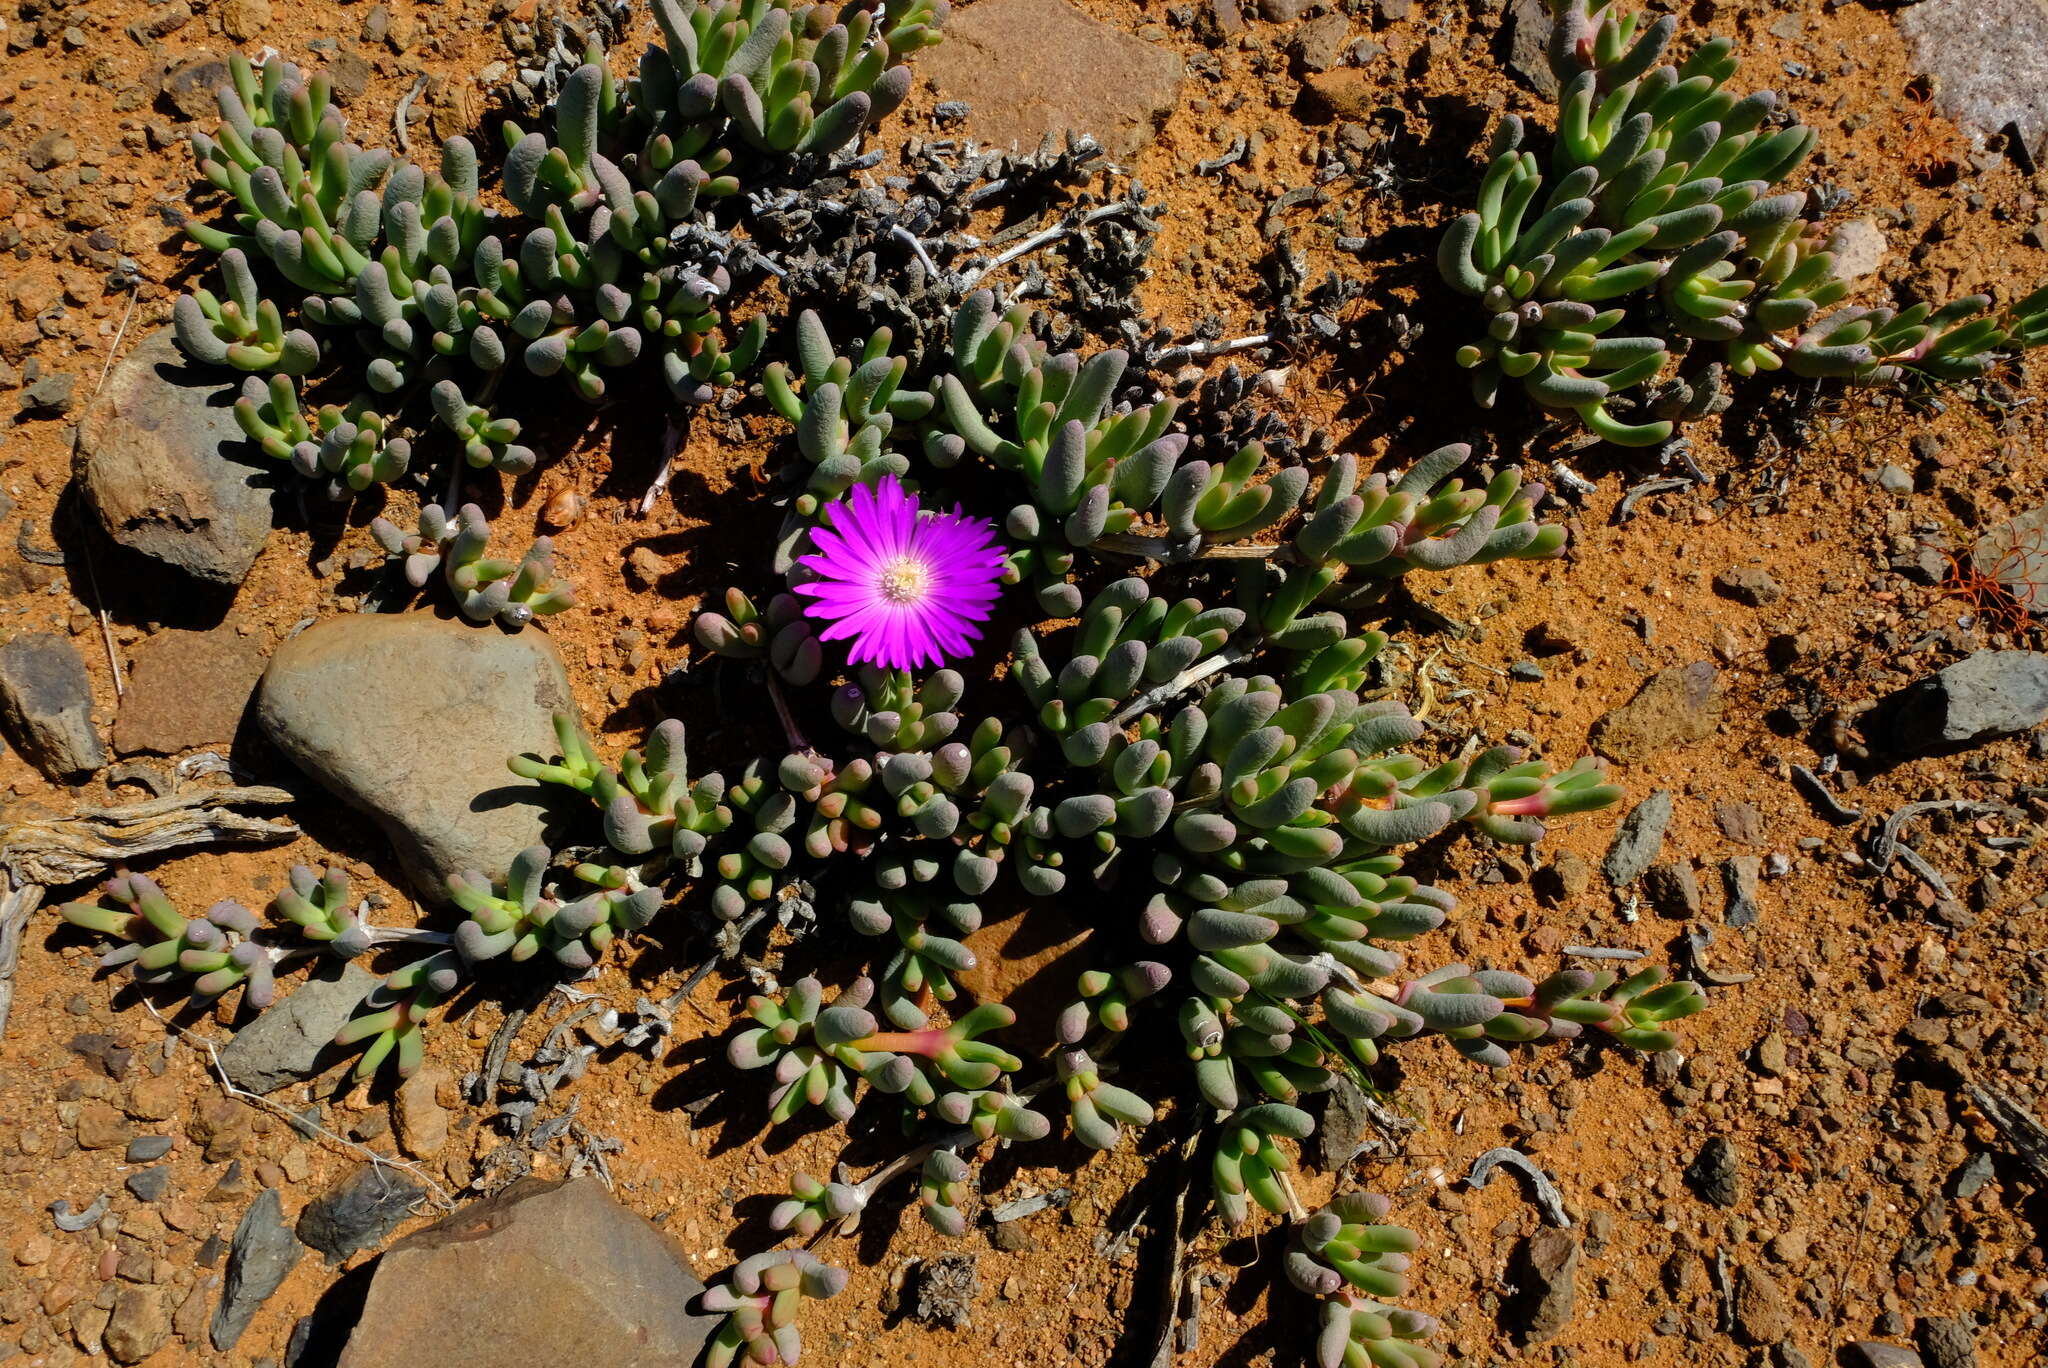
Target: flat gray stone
[411, 718]
[294, 1040]
[1979, 698]
[263, 1254]
[1031, 67]
[1989, 61]
[46, 702]
[1638, 840]
[541, 1273]
[167, 470]
[359, 1212]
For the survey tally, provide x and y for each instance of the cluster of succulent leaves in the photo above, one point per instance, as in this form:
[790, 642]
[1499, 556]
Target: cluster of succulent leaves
[484, 587]
[315, 918]
[390, 285]
[1663, 230]
[1189, 748]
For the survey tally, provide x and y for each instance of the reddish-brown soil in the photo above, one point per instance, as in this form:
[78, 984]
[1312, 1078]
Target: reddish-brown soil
[1839, 1068]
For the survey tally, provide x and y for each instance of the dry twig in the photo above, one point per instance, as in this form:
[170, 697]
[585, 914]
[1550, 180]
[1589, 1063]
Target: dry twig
[56, 851]
[17, 905]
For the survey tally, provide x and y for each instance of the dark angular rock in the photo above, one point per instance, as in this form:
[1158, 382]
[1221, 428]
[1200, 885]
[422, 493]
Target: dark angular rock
[1528, 36]
[294, 1040]
[1741, 876]
[152, 446]
[1750, 584]
[1878, 1354]
[150, 1184]
[46, 701]
[1638, 840]
[410, 718]
[1673, 889]
[1716, 1172]
[359, 1212]
[1550, 1262]
[1979, 698]
[544, 1273]
[144, 1149]
[1972, 1174]
[263, 1254]
[1948, 1342]
[1340, 1136]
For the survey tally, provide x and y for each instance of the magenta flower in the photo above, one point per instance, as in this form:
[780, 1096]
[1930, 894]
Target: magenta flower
[908, 587]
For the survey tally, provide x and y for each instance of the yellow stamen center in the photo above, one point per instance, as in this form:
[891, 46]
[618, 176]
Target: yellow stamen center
[904, 579]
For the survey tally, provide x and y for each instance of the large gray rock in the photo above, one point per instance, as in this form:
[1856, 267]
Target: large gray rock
[411, 718]
[46, 701]
[1031, 67]
[1979, 698]
[163, 468]
[294, 1040]
[541, 1273]
[1988, 60]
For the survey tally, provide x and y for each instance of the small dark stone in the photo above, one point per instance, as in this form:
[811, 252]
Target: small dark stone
[1550, 1260]
[1948, 1342]
[145, 1149]
[1750, 584]
[1673, 890]
[358, 1212]
[1971, 1176]
[103, 1050]
[1740, 877]
[51, 396]
[46, 702]
[1979, 698]
[1740, 822]
[1529, 26]
[1527, 671]
[1716, 1172]
[1341, 1135]
[1877, 1354]
[1637, 841]
[150, 1184]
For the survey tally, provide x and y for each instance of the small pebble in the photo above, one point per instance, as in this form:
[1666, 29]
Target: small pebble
[151, 1184]
[145, 1149]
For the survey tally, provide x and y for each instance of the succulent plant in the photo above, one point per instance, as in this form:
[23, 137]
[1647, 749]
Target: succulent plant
[760, 1304]
[206, 956]
[513, 592]
[1662, 231]
[425, 297]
